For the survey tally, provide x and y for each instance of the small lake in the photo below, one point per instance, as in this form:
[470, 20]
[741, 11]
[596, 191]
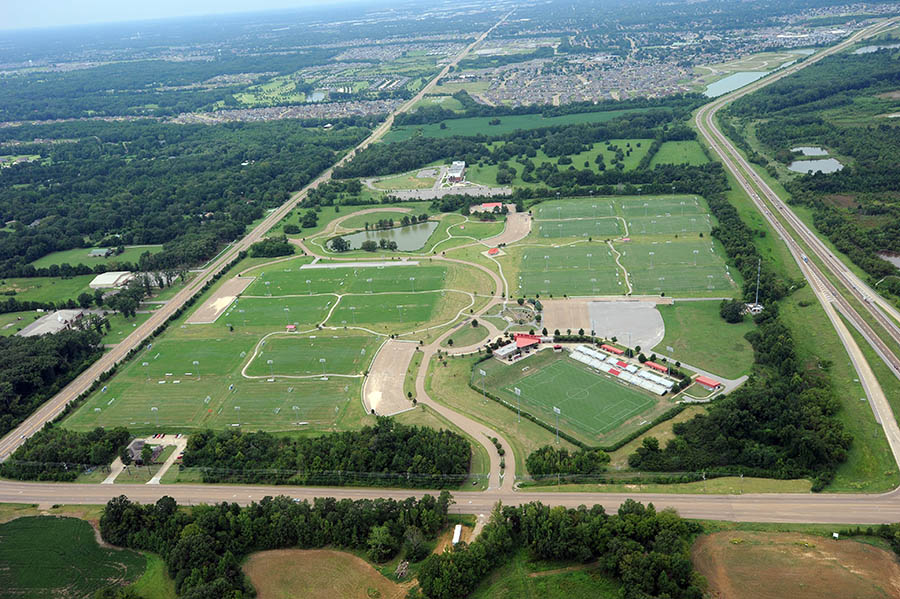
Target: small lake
[890, 257]
[408, 239]
[870, 49]
[733, 82]
[315, 97]
[826, 165]
[810, 151]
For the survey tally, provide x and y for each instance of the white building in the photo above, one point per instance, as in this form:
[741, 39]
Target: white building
[111, 280]
[456, 172]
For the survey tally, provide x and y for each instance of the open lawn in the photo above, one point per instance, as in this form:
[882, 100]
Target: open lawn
[679, 152]
[406, 181]
[301, 355]
[594, 407]
[480, 125]
[48, 557]
[121, 327]
[46, 289]
[466, 335]
[702, 338]
[796, 565]
[80, 256]
[677, 267]
[10, 323]
[445, 102]
[317, 574]
[521, 577]
[286, 278]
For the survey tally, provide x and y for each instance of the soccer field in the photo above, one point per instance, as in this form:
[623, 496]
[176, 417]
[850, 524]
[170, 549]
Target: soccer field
[277, 312]
[600, 228]
[301, 355]
[292, 280]
[676, 267]
[587, 269]
[590, 404]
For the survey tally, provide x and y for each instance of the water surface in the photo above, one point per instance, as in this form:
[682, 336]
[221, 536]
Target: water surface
[733, 82]
[870, 49]
[826, 165]
[810, 150]
[408, 239]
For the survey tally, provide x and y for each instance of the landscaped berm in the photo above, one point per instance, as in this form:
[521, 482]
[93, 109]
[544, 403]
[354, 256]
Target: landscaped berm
[761, 565]
[317, 574]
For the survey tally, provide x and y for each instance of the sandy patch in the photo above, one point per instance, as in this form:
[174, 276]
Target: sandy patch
[219, 301]
[518, 226]
[383, 389]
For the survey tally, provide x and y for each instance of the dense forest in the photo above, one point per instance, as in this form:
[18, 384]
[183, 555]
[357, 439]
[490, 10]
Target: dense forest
[54, 453]
[387, 454]
[203, 547]
[835, 104]
[549, 461]
[191, 187]
[34, 368]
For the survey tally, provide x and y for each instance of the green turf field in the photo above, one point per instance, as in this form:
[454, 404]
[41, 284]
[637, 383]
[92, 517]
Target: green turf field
[276, 312]
[287, 279]
[666, 215]
[679, 152]
[575, 208]
[592, 405]
[80, 256]
[410, 309]
[600, 228]
[677, 267]
[508, 124]
[300, 355]
[49, 557]
[585, 269]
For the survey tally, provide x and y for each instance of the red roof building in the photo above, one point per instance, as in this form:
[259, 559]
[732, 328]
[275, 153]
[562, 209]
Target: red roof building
[614, 372]
[708, 382]
[493, 251]
[622, 364]
[656, 367]
[524, 340]
[489, 206]
[612, 350]
[291, 327]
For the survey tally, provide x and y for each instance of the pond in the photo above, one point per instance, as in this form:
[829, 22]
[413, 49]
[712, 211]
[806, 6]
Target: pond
[315, 97]
[733, 82]
[810, 150]
[826, 165]
[408, 239]
[870, 49]
[891, 257]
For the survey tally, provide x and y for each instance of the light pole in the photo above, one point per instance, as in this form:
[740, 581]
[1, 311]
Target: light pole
[238, 410]
[271, 369]
[309, 286]
[695, 256]
[518, 404]
[353, 314]
[155, 411]
[483, 374]
[651, 259]
[197, 367]
[589, 256]
[556, 411]
[322, 362]
[413, 281]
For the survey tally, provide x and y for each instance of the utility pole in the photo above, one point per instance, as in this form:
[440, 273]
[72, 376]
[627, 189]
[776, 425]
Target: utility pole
[758, 268]
[556, 411]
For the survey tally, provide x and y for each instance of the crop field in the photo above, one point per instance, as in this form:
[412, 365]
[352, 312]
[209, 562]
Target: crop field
[49, 557]
[679, 152]
[591, 405]
[302, 355]
[286, 279]
[573, 270]
[80, 256]
[680, 266]
[479, 125]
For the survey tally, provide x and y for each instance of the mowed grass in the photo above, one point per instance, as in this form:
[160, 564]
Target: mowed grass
[466, 335]
[46, 289]
[480, 125]
[585, 269]
[48, 557]
[410, 309]
[672, 215]
[301, 355]
[599, 228]
[10, 323]
[287, 279]
[679, 152]
[677, 267]
[591, 404]
[405, 181]
[276, 312]
[702, 338]
[522, 577]
[317, 574]
[80, 256]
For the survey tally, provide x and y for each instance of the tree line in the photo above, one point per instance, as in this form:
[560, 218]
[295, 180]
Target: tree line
[55, 453]
[386, 454]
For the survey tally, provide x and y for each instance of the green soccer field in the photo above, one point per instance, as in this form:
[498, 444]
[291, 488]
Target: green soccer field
[599, 228]
[289, 279]
[586, 269]
[300, 355]
[591, 405]
[677, 267]
[276, 312]
[587, 207]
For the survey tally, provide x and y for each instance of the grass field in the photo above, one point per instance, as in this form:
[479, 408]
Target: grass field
[700, 337]
[445, 102]
[409, 309]
[46, 557]
[570, 270]
[301, 355]
[286, 278]
[679, 152]
[359, 221]
[405, 181]
[594, 407]
[80, 256]
[317, 574]
[508, 124]
[276, 312]
[155, 583]
[46, 289]
[522, 577]
[466, 335]
[677, 267]
[10, 323]
[796, 565]
[599, 228]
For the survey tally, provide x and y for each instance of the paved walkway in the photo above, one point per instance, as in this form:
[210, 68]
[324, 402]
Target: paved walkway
[117, 466]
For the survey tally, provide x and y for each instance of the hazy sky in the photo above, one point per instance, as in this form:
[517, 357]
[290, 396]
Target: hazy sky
[21, 14]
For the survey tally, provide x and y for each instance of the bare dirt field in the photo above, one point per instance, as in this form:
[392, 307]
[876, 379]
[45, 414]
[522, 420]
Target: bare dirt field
[566, 314]
[758, 565]
[383, 390]
[317, 574]
[218, 302]
[518, 226]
